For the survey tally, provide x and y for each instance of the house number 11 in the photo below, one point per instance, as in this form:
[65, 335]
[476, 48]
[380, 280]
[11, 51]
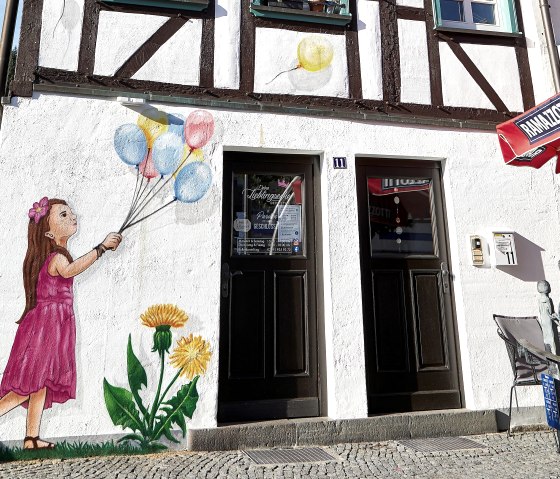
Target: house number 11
[339, 162]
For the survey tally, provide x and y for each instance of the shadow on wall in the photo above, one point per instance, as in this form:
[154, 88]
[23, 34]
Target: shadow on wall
[529, 261]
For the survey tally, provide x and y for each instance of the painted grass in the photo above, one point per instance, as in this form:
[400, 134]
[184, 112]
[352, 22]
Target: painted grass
[66, 450]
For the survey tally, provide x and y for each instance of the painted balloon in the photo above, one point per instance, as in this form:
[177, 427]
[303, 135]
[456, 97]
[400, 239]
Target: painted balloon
[167, 152]
[176, 125]
[130, 144]
[147, 167]
[192, 182]
[199, 128]
[153, 124]
[315, 53]
[189, 156]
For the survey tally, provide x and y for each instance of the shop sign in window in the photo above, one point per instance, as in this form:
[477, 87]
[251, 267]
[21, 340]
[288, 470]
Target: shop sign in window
[267, 215]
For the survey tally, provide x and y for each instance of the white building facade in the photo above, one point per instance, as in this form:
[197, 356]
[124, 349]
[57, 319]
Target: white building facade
[352, 156]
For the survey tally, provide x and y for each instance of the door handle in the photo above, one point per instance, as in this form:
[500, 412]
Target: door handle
[225, 281]
[226, 276]
[445, 276]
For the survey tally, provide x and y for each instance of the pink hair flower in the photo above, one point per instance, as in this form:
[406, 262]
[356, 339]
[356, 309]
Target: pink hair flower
[39, 209]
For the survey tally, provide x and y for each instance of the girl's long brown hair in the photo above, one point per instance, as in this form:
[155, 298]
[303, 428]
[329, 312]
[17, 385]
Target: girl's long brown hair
[38, 248]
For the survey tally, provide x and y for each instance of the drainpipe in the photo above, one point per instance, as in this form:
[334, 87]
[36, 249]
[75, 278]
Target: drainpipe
[551, 43]
[6, 40]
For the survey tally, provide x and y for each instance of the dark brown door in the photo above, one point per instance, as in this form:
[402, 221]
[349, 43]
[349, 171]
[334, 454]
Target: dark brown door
[409, 327]
[268, 333]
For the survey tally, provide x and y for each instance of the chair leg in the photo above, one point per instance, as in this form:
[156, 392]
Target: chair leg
[510, 401]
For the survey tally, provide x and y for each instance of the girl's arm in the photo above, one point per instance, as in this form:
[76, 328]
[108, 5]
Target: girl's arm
[61, 266]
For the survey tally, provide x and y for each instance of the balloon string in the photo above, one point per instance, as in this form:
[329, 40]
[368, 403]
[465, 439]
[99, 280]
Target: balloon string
[137, 193]
[141, 199]
[281, 73]
[139, 210]
[147, 216]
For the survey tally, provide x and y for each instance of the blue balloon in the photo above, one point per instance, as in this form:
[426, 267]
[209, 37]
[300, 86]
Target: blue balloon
[192, 182]
[131, 144]
[167, 152]
[176, 125]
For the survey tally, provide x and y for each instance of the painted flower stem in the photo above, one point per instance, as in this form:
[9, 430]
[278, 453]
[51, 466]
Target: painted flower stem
[156, 400]
[167, 389]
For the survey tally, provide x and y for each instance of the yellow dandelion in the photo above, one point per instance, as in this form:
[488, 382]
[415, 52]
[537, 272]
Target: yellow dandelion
[191, 356]
[164, 315]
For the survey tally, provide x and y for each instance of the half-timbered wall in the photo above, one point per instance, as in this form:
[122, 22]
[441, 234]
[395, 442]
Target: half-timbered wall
[389, 59]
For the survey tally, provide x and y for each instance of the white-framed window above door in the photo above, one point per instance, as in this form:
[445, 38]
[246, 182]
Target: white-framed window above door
[476, 15]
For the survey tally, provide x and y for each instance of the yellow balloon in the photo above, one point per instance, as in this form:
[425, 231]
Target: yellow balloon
[315, 53]
[195, 155]
[153, 125]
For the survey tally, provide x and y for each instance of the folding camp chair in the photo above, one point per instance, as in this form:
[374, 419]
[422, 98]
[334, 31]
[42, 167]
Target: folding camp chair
[526, 366]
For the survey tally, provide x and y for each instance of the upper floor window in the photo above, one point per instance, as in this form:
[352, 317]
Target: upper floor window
[335, 12]
[484, 15]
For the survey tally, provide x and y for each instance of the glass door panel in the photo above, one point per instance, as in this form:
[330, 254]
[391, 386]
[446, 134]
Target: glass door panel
[268, 217]
[400, 216]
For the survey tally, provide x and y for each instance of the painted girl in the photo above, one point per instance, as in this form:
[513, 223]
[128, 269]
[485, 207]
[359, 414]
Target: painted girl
[41, 369]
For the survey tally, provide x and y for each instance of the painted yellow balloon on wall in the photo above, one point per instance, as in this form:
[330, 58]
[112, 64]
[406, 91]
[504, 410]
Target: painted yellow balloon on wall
[315, 53]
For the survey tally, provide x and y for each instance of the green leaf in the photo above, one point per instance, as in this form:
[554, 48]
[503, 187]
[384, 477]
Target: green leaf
[136, 375]
[168, 435]
[174, 412]
[121, 407]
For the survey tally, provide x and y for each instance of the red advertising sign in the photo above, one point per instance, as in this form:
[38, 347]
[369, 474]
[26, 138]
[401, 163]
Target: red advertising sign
[532, 138]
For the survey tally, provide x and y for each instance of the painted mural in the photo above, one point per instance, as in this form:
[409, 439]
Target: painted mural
[312, 69]
[166, 155]
[41, 368]
[190, 357]
[166, 147]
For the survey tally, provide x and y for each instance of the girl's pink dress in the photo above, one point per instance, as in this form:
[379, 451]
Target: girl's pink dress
[43, 353]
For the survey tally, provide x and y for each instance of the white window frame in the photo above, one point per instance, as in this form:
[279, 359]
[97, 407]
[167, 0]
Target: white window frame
[469, 24]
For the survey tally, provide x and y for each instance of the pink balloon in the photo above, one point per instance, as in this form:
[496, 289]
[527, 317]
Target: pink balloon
[199, 128]
[147, 167]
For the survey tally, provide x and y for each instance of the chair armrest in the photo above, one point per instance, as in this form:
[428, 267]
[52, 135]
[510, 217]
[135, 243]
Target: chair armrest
[539, 352]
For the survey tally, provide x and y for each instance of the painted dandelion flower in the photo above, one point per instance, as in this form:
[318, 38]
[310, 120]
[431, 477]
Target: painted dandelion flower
[191, 356]
[163, 317]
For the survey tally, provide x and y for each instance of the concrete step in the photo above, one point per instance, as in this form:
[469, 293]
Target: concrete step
[325, 431]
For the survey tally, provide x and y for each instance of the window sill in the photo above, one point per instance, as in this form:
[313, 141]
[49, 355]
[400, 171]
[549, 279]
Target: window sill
[196, 5]
[487, 33]
[300, 15]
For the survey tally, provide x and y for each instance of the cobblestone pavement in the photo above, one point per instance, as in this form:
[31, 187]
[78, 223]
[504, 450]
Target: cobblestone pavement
[525, 455]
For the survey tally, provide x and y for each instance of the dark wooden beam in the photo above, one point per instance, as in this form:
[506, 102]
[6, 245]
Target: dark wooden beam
[86, 58]
[50, 76]
[28, 51]
[390, 60]
[207, 49]
[150, 47]
[411, 13]
[436, 90]
[247, 50]
[353, 55]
